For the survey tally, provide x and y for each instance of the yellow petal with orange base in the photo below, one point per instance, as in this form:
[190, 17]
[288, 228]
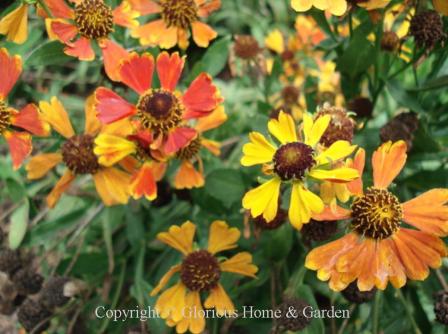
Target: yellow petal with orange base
[15, 25]
[220, 301]
[428, 212]
[112, 185]
[240, 263]
[388, 161]
[283, 128]
[179, 237]
[165, 279]
[111, 149]
[222, 237]
[61, 186]
[93, 124]
[41, 164]
[125, 16]
[212, 121]
[55, 114]
[257, 151]
[263, 200]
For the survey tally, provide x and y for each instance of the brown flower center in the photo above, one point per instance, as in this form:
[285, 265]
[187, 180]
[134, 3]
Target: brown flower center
[390, 41]
[94, 19]
[78, 156]
[292, 160]
[159, 110]
[5, 117]
[191, 150]
[200, 271]
[341, 126]
[246, 47]
[179, 13]
[377, 214]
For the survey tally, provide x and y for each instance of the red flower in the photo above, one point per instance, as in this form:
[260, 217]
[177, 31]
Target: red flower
[164, 111]
[90, 20]
[28, 118]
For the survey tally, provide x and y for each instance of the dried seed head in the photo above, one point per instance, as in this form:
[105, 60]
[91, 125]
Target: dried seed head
[341, 126]
[318, 230]
[401, 127]
[427, 29]
[354, 295]
[246, 47]
[292, 316]
[34, 316]
[361, 106]
[441, 307]
[278, 221]
[10, 261]
[27, 281]
[52, 294]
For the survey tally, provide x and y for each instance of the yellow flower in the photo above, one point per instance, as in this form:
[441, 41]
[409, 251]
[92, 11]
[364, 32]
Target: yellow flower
[294, 162]
[200, 271]
[335, 7]
[374, 4]
[15, 25]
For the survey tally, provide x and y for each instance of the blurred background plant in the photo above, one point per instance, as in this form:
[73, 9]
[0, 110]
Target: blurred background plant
[266, 57]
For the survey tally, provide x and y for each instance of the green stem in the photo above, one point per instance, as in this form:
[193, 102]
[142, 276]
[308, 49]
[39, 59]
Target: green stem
[375, 316]
[45, 8]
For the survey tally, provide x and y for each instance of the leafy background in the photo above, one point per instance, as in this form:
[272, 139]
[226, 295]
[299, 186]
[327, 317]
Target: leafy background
[114, 250]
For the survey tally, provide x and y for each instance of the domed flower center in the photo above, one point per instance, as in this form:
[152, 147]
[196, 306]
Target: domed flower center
[377, 214]
[292, 160]
[200, 271]
[179, 13]
[191, 150]
[159, 110]
[5, 117]
[94, 19]
[78, 156]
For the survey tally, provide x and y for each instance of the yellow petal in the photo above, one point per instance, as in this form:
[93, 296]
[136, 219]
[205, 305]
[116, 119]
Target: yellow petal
[338, 150]
[41, 164]
[93, 124]
[301, 5]
[222, 237]
[263, 199]
[179, 237]
[171, 302]
[274, 41]
[303, 204]
[15, 25]
[338, 7]
[113, 186]
[283, 128]
[165, 279]
[219, 300]
[111, 149]
[337, 174]
[193, 319]
[314, 132]
[240, 263]
[258, 151]
[55, 114]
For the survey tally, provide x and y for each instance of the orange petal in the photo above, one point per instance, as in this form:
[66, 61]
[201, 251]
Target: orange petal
[81, 49]
[62, 30]
[240, 263]
[112, 107]
[113, 54]
[144, 184]
[428, 212]
[165, 279]
[207, 7]
[202, 34]
[10, 70]
[169, 69]
[332, 212]
[193, 321]
[188, 177]
[387, 162]
[212, 121]
[55, 114]
[19, 145]
[222, 237]
[178, 138]
[145, 7]
[112, 185]
[220, 301]
[60, 187]
[179, 237]
[137, 71]
[201, 98]
[29, 119]
[356, 186]
[41, 164]
[59, 9]
[125, 16]
[213, 146]
[93, 124]
[171, 303]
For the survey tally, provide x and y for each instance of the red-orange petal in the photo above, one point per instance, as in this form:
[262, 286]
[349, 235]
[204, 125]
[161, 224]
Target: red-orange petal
[64, 31]
[201, 98]
[388, 161]
[145, 7]
[29, 119]
[169, 69]
[125, 16]
[178, 138]
[428, 212]
[143, 183]
[137, 71]
[113, 54]
[207, 7]
[10, 70]
[112, 107]
[19, 145]
[59, 9]
[81, 49]
[358, 163]
[332, 212]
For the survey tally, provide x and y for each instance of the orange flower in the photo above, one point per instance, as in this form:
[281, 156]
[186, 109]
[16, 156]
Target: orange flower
[164, 111]
[187, 176]
[15, 24]
[90, 20]
[379, 249]
[76, 153]
[28, 118]
[177, 17]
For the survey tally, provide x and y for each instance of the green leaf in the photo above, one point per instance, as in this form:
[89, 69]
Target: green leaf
[357, 58]
[51, 53]
[225, 185]
[214, 59]
[436, 83]
[19, 224]
[402, 97]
